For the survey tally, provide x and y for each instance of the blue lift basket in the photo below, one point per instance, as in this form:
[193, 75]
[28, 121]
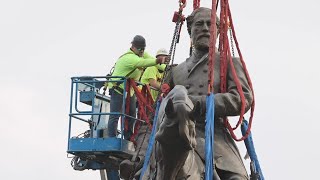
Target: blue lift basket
[87, 136]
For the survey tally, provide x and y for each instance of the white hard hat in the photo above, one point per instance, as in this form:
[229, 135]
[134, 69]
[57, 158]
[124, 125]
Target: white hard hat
[162, 51]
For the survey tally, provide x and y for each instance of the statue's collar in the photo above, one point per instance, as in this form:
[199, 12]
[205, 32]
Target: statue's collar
[198, 55]
[198, 62]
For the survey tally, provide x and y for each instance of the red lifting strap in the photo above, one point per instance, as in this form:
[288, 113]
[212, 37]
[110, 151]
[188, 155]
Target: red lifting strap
[225, 60]
[145, 103]
[196, 4]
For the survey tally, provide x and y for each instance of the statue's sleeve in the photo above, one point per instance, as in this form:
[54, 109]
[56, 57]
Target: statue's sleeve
[229, 103]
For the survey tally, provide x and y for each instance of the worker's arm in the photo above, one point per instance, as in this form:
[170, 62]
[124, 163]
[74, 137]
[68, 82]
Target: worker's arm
[147, 60]
[146, 55]
[150, 77]
[154, 83]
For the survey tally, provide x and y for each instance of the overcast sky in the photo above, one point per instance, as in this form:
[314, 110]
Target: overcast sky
[44, 43]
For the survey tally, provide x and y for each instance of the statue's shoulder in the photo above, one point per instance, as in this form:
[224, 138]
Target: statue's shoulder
[236, 59]
[237, 63]
[180, 67]
[171, 67]
[174, 73]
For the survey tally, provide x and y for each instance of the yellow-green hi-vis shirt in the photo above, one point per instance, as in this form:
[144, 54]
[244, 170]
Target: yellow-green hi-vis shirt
[152, 73]
[130, 65]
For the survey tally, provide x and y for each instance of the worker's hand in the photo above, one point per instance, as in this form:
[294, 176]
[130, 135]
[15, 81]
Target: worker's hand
[167, 60]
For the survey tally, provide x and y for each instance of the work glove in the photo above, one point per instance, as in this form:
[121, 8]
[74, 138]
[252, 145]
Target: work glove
[165, 89]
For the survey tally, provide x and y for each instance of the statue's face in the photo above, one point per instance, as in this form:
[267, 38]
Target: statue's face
[200, 30]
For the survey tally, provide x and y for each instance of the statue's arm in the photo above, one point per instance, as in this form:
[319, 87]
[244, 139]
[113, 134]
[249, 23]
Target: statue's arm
[229, 103]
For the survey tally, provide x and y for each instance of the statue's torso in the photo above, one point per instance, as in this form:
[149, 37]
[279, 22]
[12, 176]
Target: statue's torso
[193, 75]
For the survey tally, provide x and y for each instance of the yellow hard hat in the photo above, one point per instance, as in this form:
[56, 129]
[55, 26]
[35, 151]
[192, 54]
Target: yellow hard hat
[162, 51]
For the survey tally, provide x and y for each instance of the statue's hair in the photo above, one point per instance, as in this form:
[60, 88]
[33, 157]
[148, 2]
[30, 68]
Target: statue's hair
[190, 18]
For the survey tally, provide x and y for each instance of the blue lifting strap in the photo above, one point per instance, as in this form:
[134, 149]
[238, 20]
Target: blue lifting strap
[209, 141]
[251, 151]
[151, 141]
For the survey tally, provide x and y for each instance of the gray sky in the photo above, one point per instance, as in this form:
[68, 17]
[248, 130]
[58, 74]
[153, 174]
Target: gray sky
[44, 43]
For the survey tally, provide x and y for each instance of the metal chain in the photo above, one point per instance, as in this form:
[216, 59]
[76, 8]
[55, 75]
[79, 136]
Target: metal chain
[231, 42]
[172, 49]
[175, 43]
[175, 39]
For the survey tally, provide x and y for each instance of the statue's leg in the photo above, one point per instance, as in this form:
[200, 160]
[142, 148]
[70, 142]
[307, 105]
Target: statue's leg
[228, 160]
[230, 165]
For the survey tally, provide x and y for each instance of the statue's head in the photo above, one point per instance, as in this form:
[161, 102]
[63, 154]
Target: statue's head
[198, 24]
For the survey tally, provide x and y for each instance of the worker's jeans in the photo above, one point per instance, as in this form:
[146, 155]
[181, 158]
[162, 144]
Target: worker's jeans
[116, 107]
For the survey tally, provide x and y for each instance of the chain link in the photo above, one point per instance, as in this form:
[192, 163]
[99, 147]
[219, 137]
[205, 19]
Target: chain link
[231, 42]
[175, 39]
[172, 47]
[175, 43]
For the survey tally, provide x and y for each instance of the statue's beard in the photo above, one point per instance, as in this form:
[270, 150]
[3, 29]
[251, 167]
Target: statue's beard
[202, 46]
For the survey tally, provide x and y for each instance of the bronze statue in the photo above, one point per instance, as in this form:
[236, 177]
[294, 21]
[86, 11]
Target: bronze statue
[193, 75]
